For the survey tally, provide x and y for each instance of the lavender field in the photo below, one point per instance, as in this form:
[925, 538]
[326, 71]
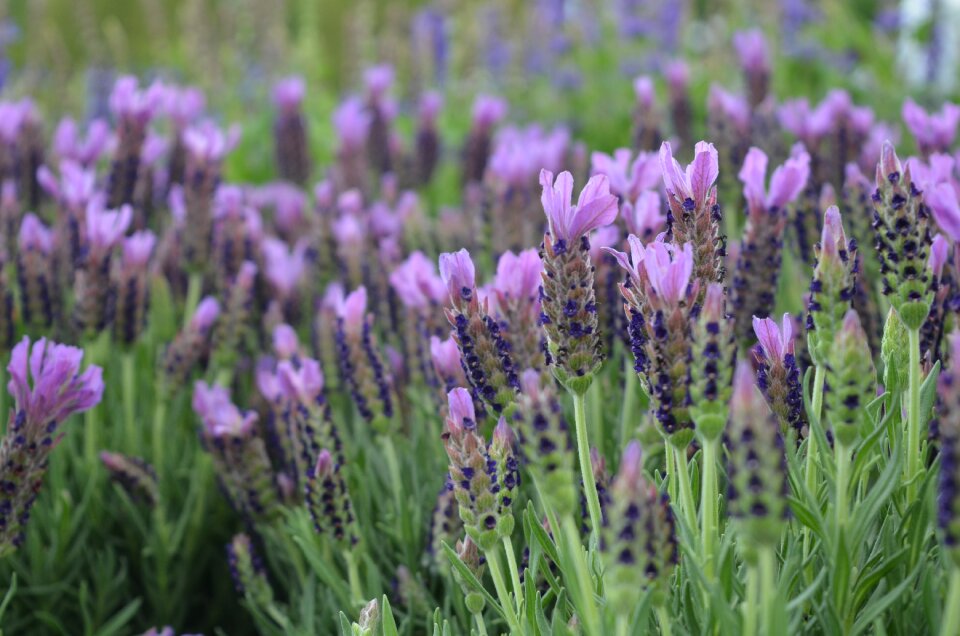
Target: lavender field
[528, 317]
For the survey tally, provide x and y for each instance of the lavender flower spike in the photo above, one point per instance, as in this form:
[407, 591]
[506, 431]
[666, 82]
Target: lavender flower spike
[291, 146]
[758, 264]
[329, 501]
[35, 267]
[91, 284]
[754, 57]
[778, 374]
[694, 214]
[833, 285]
[131, 287]
[850, 376]
[189, 346]
[714, 350]
[948, 411]
[568, 297]
[47, 387]
[484, 352]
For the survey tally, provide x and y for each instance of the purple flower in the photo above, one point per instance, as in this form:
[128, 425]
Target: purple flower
[446, 357]
[595, 207]
[677, 74]
[487, 111]
[730, 106]
[458, 274]
[378, 80]
[751, 47]
[460, 413]
[833, 239]
[518, 275]
[430, 104]
[183, 105]
[127, 101]
[627, 179]
[68, 143]
[288, 93]
[207, 143]
[284, 267]
[137, 249]
[644, 91]
[943, 202]
[58, 389]
[695, 183]
[77, 186]
[786, 183]
[934, 131]
[668, 270]
[353, 309]
[285, 342]
[206, 314]
[416, 282]
[34, 235]
[645, 216]
[351, 121]
[939, 254]
[220, 416]
[301, 382]
[105, 228]
[776, 342]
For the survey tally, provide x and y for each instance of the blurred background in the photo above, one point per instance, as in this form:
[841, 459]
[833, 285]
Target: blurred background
[570, 60]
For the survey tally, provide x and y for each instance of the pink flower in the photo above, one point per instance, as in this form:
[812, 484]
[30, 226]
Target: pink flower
[303, 382]
[430, 104]
[137, 249]
[127, 101]
[69, 145]
[633, 261]
[942, 200]
[487, 111]
[695, 183]
[677, 74]
[595, 207]
[285, 342]
[34, 235]
[446, 357]
[752, 51]
[378, 80]
[206, 314]
[518, 275]
[934, 131]
[939, 253]
[644, 91]
[833, 239]
[668, 270]
[732, 107]
[460, 415]
[77, 186]
[220, 416]
[786, 183]
[183, 105]
[458, 274]
[351, 121]
[288, 93]
[776, 342]
[353, 310]
[284, 267]
[206, 142]
[58, 389]
[416, 282]
[105, 228]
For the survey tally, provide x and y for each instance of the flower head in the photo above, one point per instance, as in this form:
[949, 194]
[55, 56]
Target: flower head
[487, 111]
[106, 227]
[595, 207]
[288, 93]
[219, 415]
[776, 341]
[416, 282]
[137, 249]
[127, 101]
[351, 121]
[751, 47]
[34, 235]
[695, 183]
[518, 275]
[208, 143]
[786, 183]
[206, 314]
[58, 388]
[458, 274]
[934, 131]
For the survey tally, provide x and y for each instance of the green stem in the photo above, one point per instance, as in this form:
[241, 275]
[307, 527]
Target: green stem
[768, 587]
[687, 503]
[129, 379]
[91, 435]
[595, 396]
[709, 496]
[913, 417]
[671, 470]
[353, 577]
[586, 467]
[481, 627]
[663, 618]
[158, 433]
[582, 578]
[194, 288]
[514, 570]
[810, 469]
[623, 625]
[842, 455]
[503, 594]
[751, 617]
[951, 615]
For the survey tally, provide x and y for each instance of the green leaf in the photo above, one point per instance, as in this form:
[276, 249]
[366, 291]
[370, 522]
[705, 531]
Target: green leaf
[386, 618]
[928, 394]
[877, 607]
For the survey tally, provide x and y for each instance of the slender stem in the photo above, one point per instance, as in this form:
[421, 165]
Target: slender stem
[159, 432]
[751, 617]
[913, 416]
[623, 625]
[663, 618]
[595, 396]
[810, 472]
[709, 495]
[481, 627]
[194, 287]
[586, 468]
[353, 577]
[129, 379]
[951, 615]
[687, 503]
[582, 577]
[842, 455]
[91, 435]
[503, 594]
[514, 570]
[671, 470]
[768, 587]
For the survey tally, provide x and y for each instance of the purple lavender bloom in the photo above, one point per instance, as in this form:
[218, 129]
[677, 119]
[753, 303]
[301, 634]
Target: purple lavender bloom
[595, 206]
[129, 102]
[351, 123]
[105, 228]
[183, 105]
[933, 132]
[34, 235]
[943, 202]
[361, 362]
[75, 189]
[644, 217]
[58, 389]
[131, 289]
[68, 144]
[288, 93]
[751, 47]
[219, 415]
[284, 267]
[627, 179]
[35, 266]
[459, 277]
[778, 374]
[207, 143]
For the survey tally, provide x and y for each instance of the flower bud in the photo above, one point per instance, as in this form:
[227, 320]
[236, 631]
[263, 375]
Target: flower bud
[135, 476]
[832, 288]
[247, 570]
[851, 377]
[329, 501]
